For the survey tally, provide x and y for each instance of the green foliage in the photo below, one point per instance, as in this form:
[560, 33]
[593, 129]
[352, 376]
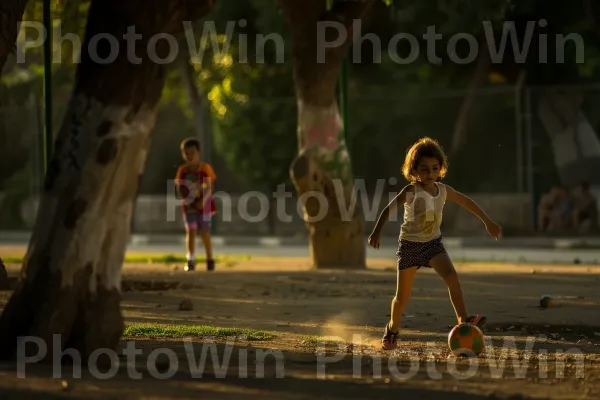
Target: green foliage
[252, 99]
[23, 82]
[69, 18]
[390, 104]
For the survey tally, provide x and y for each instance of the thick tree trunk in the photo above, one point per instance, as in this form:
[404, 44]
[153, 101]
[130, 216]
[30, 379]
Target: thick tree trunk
[478, 80]
[321, 172]
[198, 104]
[575, 143]
[323, 179]
[71, 277]
[11, 12]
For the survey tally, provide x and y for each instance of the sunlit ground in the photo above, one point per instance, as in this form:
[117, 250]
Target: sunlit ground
[322, 329]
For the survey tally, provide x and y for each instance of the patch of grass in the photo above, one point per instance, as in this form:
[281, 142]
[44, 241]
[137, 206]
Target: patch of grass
[315, 340]
[171, 259]
[312, 339]
[139, 258]
[175, 331]
[12, 259]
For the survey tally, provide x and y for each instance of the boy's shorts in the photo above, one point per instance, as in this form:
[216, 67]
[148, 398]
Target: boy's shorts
[196, 221]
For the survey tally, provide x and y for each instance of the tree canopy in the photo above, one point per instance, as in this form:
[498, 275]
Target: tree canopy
[253, 105]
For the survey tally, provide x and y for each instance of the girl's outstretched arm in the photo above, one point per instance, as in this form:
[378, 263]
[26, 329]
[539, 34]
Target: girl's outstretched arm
[466, 202]
[385, 213]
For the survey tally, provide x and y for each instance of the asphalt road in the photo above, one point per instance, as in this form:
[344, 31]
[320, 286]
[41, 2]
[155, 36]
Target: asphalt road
[388, 252]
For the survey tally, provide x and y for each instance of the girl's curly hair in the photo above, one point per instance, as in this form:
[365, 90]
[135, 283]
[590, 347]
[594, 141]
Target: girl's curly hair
[424, 147]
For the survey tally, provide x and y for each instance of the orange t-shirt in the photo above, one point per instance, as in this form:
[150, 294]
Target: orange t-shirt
[198, 180]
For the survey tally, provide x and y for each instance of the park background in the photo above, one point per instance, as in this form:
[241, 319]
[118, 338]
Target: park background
[246, 115]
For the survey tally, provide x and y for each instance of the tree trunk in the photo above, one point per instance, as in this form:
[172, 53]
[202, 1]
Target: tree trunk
[478, 80]
[11, 12]
[575, 143]
[198, 104]
[71, 278]
[321, 171]
[4, 281]
[323, 179]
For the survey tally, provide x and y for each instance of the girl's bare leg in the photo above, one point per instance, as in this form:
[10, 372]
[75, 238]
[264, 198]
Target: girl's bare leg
[442, 264]
[404, 282]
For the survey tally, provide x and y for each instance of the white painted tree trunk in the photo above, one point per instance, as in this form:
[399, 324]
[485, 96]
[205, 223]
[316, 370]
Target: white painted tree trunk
[322, 168]
[71, 277]
[323, 179]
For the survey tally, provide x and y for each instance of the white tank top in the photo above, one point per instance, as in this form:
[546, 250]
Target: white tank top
[423, 214]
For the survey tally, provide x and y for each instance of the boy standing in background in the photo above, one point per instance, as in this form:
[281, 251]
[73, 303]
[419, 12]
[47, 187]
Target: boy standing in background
[198, 177]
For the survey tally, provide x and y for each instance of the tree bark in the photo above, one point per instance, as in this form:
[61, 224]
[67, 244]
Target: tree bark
[11, 12]
[198, 104]
[321, 172]
[4, 281]
[466, 109]
[71, 277]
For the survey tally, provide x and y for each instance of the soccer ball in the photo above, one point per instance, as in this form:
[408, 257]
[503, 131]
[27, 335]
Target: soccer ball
[466, 340]
[546, 301]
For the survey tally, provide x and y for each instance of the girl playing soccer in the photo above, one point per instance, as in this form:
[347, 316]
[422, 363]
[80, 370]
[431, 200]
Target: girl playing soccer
[420, 242]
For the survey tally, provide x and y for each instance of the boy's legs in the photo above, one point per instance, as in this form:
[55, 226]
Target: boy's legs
[205, 236]
[191, 227]
[442, 264]
[204, 229]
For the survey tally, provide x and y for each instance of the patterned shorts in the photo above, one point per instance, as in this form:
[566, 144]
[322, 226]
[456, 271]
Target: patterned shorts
[417, 254]
[197, 221]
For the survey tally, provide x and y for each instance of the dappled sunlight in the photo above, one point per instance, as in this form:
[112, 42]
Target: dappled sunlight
[345, 311]
[340, 303]
[365, 148]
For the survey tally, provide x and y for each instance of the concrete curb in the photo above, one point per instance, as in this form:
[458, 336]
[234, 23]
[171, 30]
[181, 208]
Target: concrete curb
[450, 242]
[265, 241]
[593, 243]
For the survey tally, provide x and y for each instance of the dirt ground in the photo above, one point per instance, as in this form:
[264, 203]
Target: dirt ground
[327, 327]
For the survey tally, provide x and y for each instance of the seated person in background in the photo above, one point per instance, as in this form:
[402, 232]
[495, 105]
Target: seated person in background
[585, 213]
[555, 210]
[545, 209]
